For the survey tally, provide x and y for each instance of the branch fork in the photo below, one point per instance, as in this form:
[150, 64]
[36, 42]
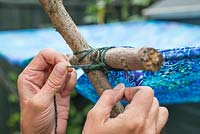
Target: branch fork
[119, 58]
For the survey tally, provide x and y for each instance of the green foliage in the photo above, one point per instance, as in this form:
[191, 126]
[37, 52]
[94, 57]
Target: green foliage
[12, 76]
[104, 11]
[12, 98]
[13, 120]
[79, 108]
[101, 11]
[141, 2]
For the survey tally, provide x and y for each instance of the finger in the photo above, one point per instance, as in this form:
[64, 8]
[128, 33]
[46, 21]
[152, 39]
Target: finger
[71, 81]
[162, 119]
[141, 102]
[153, 114]
[45, 58]
[40, 67]
[54, 84]
[63, 106]
[107, 100]
[130, 92]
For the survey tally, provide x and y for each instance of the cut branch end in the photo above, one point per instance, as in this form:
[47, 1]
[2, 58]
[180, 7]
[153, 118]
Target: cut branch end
[151, 59]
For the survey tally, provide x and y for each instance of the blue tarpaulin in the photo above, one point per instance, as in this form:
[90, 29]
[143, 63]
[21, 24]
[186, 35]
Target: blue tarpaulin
[178, 80]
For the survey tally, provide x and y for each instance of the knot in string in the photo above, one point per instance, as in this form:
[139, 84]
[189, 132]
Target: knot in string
[97, 56]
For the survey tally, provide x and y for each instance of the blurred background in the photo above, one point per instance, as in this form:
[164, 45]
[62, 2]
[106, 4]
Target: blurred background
[27, 14]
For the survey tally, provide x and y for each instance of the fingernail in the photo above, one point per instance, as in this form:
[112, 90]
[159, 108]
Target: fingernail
[69, 69]
[61, 68]
[120, 86]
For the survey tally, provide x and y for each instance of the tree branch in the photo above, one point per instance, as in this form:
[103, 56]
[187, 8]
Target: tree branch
[66, 27]
[121, 58]
[134, 59]
[128, 58]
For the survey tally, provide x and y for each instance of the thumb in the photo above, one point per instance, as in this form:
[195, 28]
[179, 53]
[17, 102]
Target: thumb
[107, 100]
[54, 83]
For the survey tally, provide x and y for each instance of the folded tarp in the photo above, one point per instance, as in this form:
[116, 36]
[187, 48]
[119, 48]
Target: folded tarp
[178, 80]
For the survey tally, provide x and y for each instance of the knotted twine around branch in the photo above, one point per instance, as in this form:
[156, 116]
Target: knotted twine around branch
[97, 56]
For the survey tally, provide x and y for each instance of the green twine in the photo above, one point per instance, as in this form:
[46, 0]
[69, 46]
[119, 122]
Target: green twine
[98, 58]
[56, 114]
[99, 63]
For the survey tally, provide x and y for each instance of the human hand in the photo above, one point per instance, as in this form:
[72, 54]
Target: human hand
[142, 115]
[44, 77]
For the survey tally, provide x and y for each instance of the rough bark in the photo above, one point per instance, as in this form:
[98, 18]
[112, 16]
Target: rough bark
[134, 59]
[129, 59]
[121, 58]
[66, 27]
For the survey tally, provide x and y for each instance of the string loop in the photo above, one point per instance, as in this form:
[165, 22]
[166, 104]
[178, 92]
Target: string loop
[99, 63]
[97, 56]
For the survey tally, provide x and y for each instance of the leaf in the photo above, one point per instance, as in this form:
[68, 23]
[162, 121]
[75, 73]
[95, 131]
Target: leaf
[14, 119]
[141, 2]
[12, 98]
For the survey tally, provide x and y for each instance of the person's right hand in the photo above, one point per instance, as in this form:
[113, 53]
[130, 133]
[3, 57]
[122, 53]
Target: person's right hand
[142, 115]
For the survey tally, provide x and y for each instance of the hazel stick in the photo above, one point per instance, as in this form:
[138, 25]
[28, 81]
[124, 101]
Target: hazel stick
[129, 59]
[66, 27]
[134, 58]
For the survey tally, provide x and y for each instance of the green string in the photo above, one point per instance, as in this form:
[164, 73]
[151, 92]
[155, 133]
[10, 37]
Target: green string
[56, 114]
[99, 62]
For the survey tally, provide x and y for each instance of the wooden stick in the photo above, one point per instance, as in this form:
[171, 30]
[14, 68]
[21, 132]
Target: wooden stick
[66, 27]
[129, 58]
[134, 59]
[120, 58]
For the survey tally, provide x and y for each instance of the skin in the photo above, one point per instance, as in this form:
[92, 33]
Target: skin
[47, 75]
[142, 115]
[44, 77]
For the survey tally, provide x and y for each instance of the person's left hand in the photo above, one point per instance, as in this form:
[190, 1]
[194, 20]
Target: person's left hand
[44, 77]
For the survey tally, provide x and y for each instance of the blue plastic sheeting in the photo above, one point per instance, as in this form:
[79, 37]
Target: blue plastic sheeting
[176, 82]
